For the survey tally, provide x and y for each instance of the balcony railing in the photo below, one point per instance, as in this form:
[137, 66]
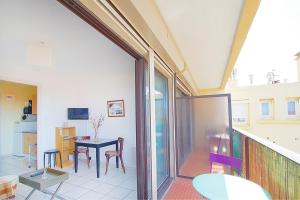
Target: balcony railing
[269, 165]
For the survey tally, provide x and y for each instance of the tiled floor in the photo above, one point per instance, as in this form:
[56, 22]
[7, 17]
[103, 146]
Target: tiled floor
[83, 185]
[197, 162]
[182, 188]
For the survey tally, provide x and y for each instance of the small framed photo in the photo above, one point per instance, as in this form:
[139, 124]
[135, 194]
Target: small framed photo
[115, 108]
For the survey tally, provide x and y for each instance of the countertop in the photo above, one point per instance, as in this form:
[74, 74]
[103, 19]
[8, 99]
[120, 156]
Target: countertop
[28, 132]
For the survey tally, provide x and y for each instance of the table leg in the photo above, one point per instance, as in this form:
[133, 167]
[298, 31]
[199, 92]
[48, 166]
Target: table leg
[117, 157]
[98, 162]
[29, 156]
[54, 160]
[57, 189]
[29, 195]
[76, 157]
[49, 160]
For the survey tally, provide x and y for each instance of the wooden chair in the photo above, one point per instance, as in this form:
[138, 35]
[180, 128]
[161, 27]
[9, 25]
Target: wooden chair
[84, 150]
[110, 154]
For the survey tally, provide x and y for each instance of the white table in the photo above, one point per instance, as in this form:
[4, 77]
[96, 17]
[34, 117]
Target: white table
[223, 186]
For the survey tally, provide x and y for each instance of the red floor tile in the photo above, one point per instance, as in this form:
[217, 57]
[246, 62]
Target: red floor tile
[182, 189]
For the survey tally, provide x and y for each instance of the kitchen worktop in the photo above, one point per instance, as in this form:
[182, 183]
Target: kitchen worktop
[29, 132]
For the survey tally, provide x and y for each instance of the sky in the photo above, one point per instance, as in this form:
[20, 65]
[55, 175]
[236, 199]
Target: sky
[272, 42]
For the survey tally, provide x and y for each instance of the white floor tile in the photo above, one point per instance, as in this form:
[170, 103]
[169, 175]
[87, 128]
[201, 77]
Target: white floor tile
[131, 196]
[116, 180]
[104, 188]
[91, 185]
[77, 193]
[23, 189]
[129, 184]
[109, 198]
[91, 195]
[119, 193]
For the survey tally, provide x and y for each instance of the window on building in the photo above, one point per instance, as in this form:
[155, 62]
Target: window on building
[240, 112]
[293, 107]
[267, 107]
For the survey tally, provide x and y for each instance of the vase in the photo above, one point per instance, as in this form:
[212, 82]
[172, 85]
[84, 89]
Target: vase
[96, 136]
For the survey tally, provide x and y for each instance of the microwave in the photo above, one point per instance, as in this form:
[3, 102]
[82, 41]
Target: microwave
[29, 118]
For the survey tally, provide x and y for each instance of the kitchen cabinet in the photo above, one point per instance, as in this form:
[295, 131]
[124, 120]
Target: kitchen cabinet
[34, 104]
[28, 138]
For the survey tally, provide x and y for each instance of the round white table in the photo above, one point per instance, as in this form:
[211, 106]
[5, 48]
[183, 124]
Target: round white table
[223, 186]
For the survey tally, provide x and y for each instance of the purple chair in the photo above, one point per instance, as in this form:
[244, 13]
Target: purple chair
[235, 163]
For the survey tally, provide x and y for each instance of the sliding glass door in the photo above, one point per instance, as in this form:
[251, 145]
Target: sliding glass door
[203, 127]
[162, 132]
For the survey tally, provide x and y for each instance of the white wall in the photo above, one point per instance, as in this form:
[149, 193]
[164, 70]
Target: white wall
[87, 69]
[282, 130]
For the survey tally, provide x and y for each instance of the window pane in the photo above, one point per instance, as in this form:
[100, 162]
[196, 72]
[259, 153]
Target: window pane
[147, 123]
[291, 108]
[265, 109]
[162, 136]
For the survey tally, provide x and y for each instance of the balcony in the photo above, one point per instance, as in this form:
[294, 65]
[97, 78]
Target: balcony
[273, 167]
[269, 165]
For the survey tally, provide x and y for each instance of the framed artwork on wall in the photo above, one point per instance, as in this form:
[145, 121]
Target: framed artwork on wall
[115, 108]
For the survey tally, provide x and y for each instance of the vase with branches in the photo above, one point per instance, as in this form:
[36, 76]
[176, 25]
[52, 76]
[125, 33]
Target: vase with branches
[97, 122]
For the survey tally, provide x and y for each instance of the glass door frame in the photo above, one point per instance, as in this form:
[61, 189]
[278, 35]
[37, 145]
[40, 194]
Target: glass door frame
[166, 130]
[164, 70]
[181, 87]
[229, 125]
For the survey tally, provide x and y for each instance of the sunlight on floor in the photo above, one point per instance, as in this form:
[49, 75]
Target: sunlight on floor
[82, 185]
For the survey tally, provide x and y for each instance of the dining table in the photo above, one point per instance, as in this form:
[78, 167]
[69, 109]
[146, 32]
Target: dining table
[97, 144]
[227, 187]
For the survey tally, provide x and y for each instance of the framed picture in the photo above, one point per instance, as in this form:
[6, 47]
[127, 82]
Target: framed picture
[115, 108]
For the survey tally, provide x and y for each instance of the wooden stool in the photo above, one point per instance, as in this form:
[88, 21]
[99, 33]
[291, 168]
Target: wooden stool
[8, 187]
[49, 153]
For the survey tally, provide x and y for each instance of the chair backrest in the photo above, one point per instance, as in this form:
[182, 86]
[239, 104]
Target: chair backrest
[81, 138]
[121, 143]
[236, 163]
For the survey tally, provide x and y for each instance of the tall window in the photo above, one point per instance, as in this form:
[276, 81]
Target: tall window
[162, 125]
[292, 107]
[240, 112]
[267, 108]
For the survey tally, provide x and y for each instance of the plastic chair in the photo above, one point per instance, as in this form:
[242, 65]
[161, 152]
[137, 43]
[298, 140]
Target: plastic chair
[235, 163]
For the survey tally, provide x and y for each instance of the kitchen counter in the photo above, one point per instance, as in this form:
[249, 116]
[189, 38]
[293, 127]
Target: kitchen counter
[29, 132]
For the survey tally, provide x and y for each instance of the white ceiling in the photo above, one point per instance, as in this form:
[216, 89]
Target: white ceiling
[204, 31]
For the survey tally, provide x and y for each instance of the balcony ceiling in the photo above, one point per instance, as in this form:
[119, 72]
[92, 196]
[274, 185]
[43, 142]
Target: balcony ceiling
[204, 31]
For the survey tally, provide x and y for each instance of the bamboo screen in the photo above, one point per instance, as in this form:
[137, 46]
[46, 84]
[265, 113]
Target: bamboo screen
[279, 175]
[276, 173]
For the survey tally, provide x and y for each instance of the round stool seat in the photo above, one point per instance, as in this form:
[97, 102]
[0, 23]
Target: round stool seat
[52, 151]
[8, 186]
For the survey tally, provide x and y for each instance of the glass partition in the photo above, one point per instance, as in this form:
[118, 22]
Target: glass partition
[203, 125]
[162, 124]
